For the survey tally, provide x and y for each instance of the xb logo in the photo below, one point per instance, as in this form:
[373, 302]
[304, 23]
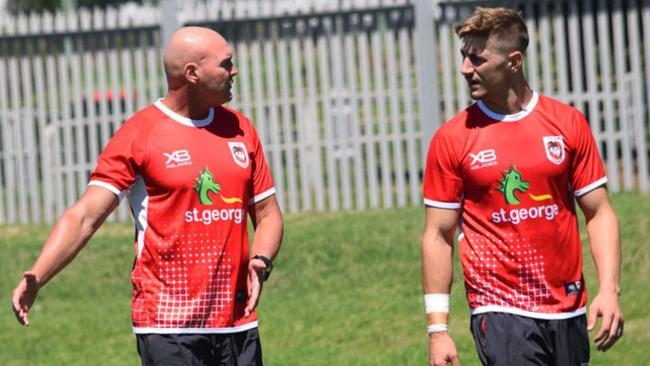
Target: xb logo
[510, 183]
[178, 158]
[483, 158]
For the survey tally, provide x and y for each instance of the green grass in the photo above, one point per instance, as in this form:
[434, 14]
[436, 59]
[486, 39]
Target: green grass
[345, 291]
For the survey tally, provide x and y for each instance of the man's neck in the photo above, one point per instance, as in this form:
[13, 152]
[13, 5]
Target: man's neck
[512, 101]
[179, 102]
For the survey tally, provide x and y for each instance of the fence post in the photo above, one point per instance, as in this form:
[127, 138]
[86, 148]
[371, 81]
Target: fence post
[168, 24]
[426, 69]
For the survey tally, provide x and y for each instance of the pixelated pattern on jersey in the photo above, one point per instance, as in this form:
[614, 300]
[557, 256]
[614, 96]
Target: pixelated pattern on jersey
[530, 293]
[181, 303]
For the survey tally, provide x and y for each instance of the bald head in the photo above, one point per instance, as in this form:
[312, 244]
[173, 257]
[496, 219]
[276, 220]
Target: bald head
[189, 45]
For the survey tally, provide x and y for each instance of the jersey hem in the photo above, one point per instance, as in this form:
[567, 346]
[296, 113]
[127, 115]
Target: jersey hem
[529, 314]
[228, 330]
[439, 204]
[97, 183]
[590, 187]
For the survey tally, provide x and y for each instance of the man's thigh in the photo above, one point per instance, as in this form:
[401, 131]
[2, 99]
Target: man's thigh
[571, 342]
[237, 349]
[175, 349]
[507, 339]
[240, 349]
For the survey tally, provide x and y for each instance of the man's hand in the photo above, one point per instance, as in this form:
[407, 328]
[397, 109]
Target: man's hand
[69, 235]
[442, 350]
[267, 220]
[604, 240]
[24, 296]
[606, 306]
[255, 281]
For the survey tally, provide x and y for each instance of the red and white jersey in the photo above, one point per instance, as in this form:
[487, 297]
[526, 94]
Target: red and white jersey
[515, 178]
[189, 184]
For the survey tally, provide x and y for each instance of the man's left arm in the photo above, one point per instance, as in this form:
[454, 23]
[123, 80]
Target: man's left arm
[603, 232]
[267, 220]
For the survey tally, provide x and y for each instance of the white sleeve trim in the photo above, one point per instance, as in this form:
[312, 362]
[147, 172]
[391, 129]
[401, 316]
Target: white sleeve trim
[268, 193]
[120, 194]
[590, 187]
[439, 204]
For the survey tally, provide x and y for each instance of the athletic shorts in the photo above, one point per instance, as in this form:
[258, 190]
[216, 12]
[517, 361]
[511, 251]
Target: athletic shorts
[506, 339]
[236, 349]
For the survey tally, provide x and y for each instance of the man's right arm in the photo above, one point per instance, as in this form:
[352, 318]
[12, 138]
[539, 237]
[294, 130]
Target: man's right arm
[69, 236]
[437, 274]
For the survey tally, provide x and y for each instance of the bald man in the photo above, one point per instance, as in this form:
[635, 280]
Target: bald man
[193, 170]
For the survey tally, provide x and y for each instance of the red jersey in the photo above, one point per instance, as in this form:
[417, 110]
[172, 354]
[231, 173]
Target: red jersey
[189, 184]
[515, 178]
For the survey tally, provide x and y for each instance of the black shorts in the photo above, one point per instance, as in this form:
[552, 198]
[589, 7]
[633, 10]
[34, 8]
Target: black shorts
[506, 339]
[236, 349]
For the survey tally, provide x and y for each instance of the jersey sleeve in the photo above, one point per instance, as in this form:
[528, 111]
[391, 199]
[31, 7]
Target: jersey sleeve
[262, 186]
[587, 172]
[442, 186]
[116, 168]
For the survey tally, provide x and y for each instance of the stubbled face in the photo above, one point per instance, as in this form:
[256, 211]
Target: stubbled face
[217, 71]
[485, 68]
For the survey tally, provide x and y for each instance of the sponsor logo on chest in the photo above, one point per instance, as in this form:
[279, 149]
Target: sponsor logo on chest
[513, 187]
[208, 190]
[177, 158]
[483, 159]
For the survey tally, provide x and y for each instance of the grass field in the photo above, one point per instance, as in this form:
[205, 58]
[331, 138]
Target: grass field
[345, 291]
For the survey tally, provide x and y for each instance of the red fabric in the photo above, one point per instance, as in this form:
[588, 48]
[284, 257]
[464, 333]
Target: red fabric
[193, 253]
[523, 255]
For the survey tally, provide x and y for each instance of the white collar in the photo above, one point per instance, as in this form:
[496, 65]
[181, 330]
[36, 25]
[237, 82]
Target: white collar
[184, 120]
[510, 117]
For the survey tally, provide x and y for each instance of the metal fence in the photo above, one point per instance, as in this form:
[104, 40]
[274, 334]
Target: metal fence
[334, 88]
[593, 54]
[65, 88]
[332, 96]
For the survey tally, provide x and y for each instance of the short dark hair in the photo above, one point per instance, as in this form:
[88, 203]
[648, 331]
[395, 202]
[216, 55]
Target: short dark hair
[505, 24]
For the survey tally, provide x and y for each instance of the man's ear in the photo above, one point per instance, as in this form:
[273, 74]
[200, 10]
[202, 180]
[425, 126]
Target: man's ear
[190, 72]
[515, 61]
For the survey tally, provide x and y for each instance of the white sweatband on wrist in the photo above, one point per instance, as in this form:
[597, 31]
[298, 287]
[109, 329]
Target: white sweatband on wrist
[436, 303]
[436, 328]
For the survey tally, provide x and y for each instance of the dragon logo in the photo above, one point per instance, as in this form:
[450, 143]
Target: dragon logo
[510, 183]
[205, 184]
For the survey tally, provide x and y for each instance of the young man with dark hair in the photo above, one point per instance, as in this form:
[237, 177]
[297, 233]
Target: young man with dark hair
[509, 168]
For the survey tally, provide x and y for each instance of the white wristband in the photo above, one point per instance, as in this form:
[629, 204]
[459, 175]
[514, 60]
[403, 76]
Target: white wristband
[436, 328]
[436, 303]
